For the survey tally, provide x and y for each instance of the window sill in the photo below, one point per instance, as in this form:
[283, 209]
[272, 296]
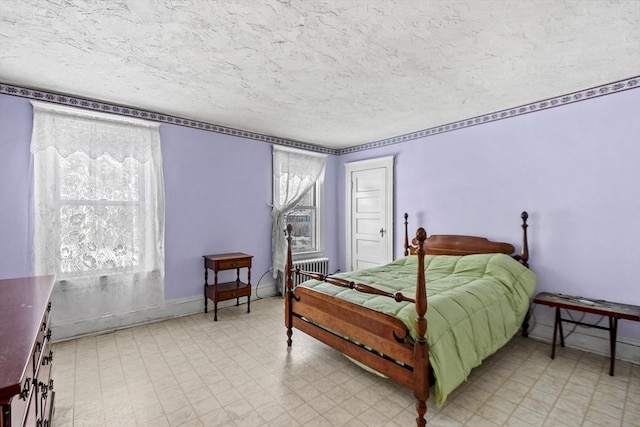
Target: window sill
[307, 255]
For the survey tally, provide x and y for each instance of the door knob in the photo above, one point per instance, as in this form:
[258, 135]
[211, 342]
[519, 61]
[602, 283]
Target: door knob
[381, 232]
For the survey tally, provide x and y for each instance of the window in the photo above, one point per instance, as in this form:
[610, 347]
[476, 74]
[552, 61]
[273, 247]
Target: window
[305, 222]
[297, 178]
[100, 224]
[98, 204]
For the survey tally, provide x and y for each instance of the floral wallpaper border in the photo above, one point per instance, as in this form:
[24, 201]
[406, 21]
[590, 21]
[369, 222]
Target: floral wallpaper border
[582, 95]
[631, 83]
[88, 104]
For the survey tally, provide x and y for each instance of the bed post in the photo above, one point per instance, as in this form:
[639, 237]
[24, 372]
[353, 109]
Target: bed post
[288, 297]
[406, 234]
[524, 253]
[524, 259]
[421, 348]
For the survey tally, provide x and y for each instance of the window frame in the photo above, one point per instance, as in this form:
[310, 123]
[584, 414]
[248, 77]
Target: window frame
[318, 251]
[60, 202]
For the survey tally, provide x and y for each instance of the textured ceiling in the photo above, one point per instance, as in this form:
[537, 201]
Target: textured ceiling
[335, 73]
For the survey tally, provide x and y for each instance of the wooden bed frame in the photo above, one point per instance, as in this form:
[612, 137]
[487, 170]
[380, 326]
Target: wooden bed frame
[378, 340]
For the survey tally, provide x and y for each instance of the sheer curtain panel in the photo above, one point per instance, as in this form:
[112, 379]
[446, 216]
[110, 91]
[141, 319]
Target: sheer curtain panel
[98, 216]
[294, 173]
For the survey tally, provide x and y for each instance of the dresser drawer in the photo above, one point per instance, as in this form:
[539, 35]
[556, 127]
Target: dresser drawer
[44, 394]
[44, 335]
[226, 291]
[234, 263]
[30, 415]
[23, 404]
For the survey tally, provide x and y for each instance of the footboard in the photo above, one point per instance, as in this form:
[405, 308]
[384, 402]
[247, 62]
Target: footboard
[373, 338]
[379, 331]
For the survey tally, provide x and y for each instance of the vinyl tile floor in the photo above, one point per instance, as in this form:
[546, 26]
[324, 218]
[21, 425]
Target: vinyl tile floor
[238, 371]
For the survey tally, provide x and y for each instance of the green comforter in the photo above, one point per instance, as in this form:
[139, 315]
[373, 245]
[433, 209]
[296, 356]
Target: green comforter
[476, 304]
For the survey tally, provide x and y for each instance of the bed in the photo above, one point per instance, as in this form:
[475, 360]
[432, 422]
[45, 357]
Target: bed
[479, 297]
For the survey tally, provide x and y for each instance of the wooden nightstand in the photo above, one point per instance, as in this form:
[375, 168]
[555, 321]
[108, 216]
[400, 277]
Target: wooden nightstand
[228, 290]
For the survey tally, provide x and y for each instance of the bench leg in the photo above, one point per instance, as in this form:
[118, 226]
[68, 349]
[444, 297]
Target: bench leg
[556, 324]
[613, 332]
[560, 328]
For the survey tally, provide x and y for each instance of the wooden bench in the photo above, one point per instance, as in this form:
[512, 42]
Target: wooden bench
[612, 310]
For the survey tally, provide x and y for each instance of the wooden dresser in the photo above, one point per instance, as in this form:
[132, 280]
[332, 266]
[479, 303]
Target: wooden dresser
[26, 387]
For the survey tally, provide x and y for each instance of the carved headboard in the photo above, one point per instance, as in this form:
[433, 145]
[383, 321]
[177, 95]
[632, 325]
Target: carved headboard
[451, 244]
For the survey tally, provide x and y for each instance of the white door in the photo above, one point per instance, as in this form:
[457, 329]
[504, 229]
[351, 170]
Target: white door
[369, 213]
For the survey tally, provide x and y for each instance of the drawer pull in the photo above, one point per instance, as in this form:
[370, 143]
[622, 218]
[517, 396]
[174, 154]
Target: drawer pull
[233, 264]
[44, 388]
[25, 389]
[48, 359]
[49, 306]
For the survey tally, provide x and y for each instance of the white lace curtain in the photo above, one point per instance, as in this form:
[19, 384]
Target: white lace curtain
[98, 215]
[294, 173]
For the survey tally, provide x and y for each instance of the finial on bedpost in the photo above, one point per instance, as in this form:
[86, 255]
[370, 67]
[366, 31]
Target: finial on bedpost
[524, 253]
[421, 348]
[406, 234]
[288, 301]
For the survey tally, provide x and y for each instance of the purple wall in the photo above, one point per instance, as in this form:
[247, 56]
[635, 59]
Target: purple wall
[575, 169]
[217, 191]
[217, 195]
[16, 253]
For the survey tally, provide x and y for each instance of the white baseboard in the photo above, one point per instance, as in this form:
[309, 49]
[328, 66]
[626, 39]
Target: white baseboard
[591, 340]
[171, 309]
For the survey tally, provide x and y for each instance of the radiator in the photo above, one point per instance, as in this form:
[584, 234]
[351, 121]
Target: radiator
[317, 265]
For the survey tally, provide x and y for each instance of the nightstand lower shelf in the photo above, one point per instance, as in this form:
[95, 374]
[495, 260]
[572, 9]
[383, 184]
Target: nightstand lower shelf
[227, 291]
